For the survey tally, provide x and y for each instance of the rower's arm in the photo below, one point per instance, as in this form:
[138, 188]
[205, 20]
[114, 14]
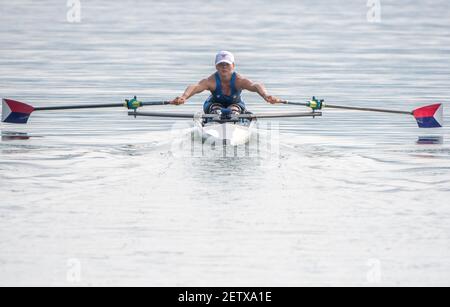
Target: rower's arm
[260, 89]
[251, 86]
[194, 89]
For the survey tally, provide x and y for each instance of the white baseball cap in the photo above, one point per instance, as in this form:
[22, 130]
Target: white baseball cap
[224, 57]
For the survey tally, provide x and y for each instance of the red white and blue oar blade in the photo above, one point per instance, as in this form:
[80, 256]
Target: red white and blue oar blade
[430, 116]
[15, 112]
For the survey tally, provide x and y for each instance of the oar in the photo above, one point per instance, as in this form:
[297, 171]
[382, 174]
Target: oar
[17, 112]
[427, 117]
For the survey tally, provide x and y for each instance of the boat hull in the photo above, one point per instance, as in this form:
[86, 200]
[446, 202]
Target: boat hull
[227, 133]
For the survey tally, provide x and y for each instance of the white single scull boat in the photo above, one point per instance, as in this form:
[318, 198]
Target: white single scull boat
[224, 128]
[227, 133]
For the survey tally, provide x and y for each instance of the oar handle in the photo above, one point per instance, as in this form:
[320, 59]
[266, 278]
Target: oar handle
[155, 103]
[295, 103]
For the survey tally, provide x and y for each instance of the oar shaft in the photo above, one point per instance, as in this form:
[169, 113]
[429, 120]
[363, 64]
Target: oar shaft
[86, 106]
[98, 106]
[352, 108]
[368, 109]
